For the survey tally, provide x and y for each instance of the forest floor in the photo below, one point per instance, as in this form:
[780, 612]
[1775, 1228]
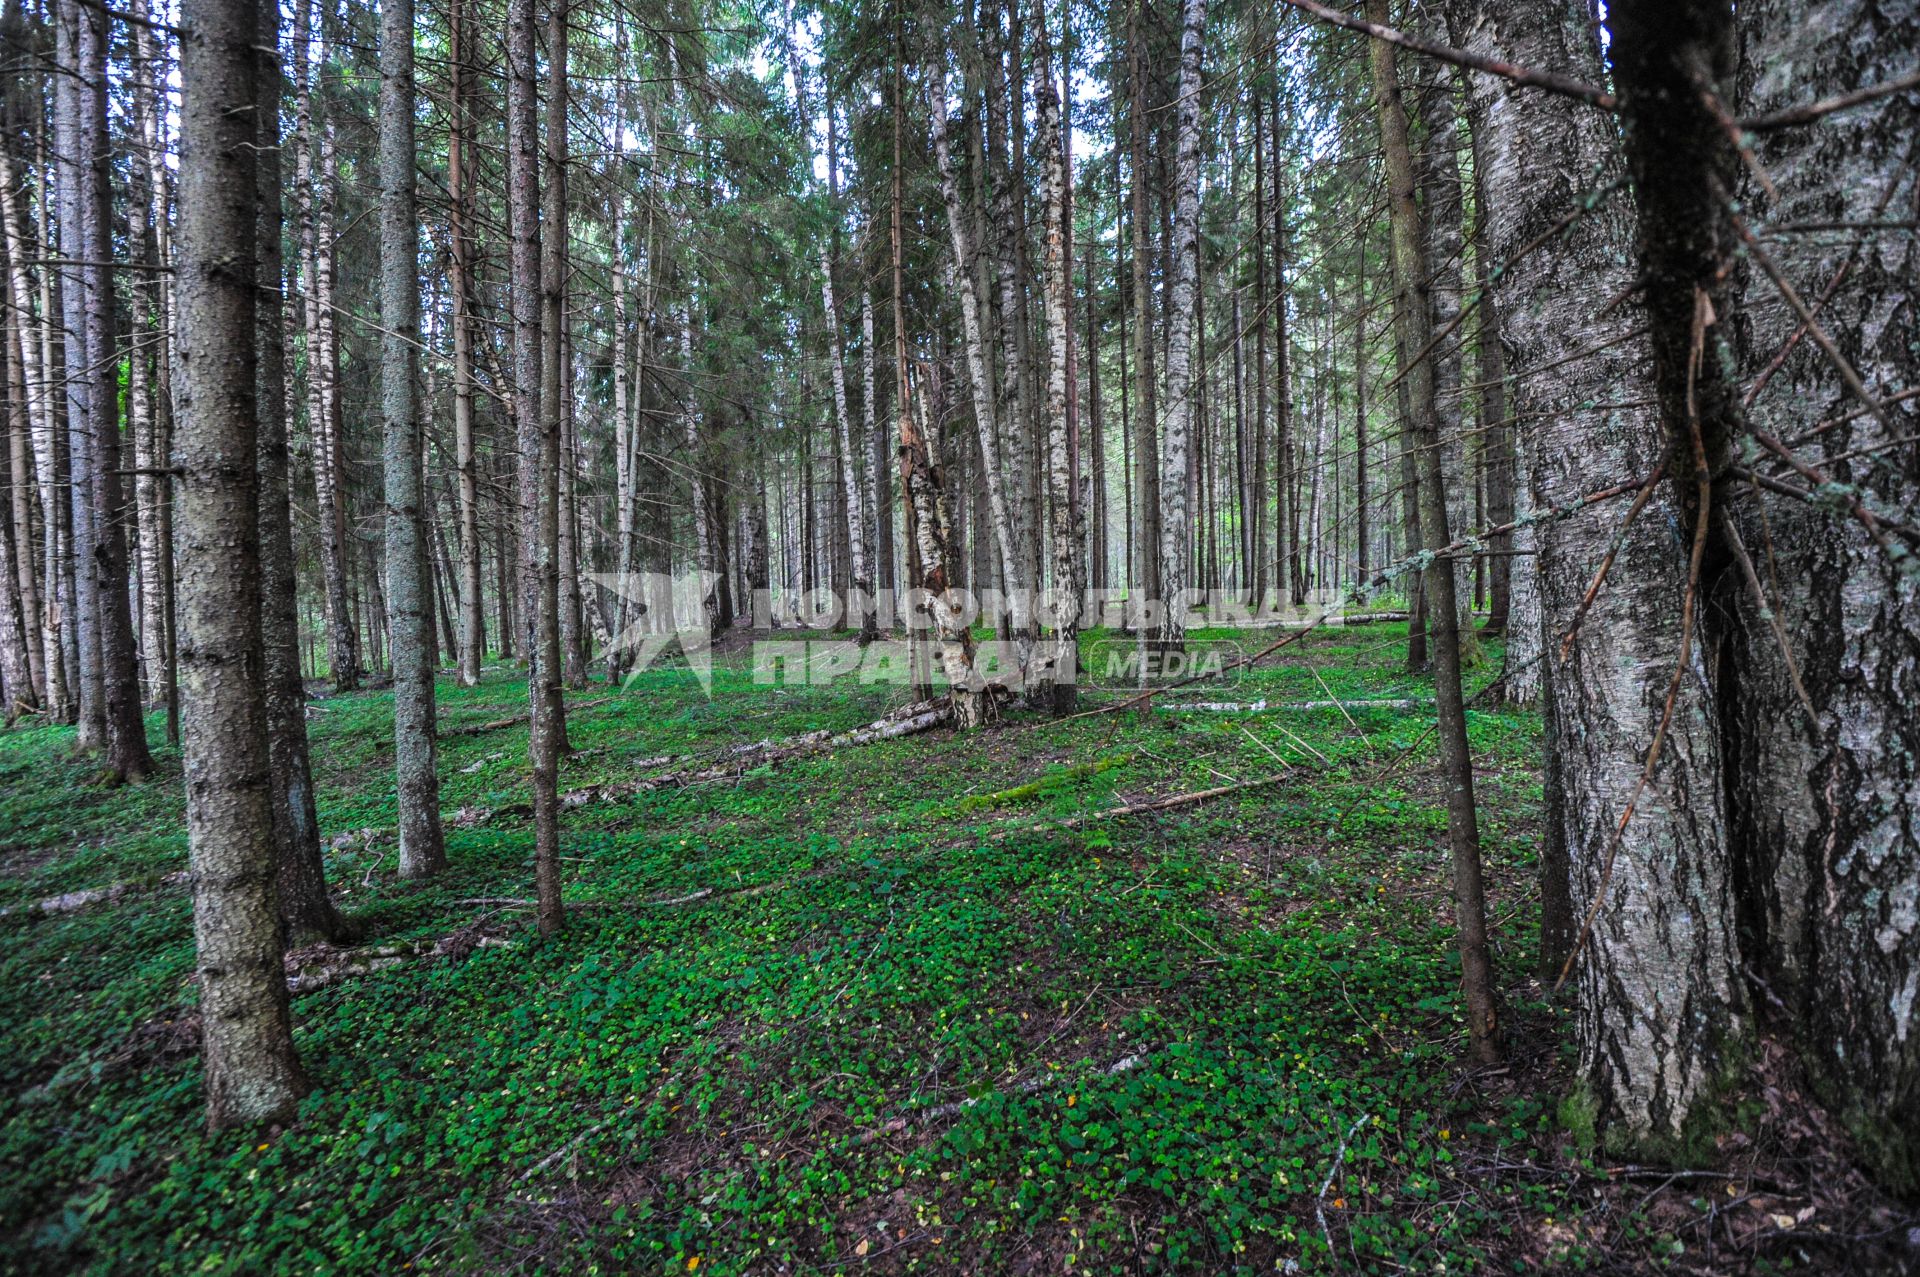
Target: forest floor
[907, 1006]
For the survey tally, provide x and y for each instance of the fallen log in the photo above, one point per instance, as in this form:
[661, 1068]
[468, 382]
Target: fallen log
[75, 901]
[330, 966]
[909, 720]
[1260, 706]
[1165, 804]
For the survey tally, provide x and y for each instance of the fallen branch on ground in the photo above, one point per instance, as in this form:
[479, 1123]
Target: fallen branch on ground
[1164, 804]
[495, 724]
[1125, 1064]
[1320, 1201]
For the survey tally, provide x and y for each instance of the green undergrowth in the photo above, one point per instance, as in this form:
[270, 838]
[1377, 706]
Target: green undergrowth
[906, 1021]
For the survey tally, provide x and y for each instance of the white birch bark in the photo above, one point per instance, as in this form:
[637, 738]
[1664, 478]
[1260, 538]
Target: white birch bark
[1176, 444]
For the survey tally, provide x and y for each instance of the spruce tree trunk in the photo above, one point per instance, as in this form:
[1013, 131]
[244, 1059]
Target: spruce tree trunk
[409, 619]
[473, 632]
[17, 694]
[1413, 318]
[306, 910]
[1496, 433]
[127, 753]
[19, 610]
[537, 603]
[252, 1074]
[556, 389]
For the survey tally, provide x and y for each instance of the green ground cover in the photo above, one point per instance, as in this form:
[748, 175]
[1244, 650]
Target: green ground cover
[916, 1021]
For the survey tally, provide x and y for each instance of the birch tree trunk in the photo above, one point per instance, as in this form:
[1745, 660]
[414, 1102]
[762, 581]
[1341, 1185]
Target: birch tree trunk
[979, 373]
[1175, 528]
[1059, 668]
[876, 450]
[252, 1073]
[73, 174]
[17, 691]
[146, 362]
[860, 598]
[1143, 589]
[314, 179]
[33, 324]
[1660, 998]
[409, 618]
[1824, 818]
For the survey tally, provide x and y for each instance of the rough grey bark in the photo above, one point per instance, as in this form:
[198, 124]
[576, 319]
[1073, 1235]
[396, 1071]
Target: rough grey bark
[537, 485]
[409, 621]
[306, 910]
[252, 1074]
[1824, 822]
[1660, 1000]
[127, 753]
[1437, 169]
[1175, 528]
[473, 630]
[1413, 321]
[1496, 450]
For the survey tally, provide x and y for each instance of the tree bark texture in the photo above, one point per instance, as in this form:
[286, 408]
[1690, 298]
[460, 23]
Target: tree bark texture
[409, 619]
[252, 1074]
